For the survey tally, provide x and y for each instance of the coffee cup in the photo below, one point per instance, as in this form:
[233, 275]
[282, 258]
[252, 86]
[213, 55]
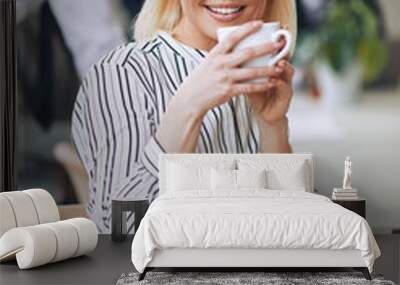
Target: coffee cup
[269, 32]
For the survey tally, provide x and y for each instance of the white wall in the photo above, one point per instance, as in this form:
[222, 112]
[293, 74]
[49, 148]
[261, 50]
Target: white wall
[370, 134]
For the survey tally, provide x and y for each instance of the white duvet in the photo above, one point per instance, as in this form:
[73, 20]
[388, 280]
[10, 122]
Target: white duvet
[250, 219]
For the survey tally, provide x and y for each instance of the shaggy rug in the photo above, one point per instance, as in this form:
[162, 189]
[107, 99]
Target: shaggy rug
[243, 278]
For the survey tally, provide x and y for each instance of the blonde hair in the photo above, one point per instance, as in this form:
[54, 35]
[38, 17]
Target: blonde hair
[165, 15]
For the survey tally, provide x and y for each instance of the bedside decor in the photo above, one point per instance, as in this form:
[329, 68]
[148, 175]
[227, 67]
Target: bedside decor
[31, 231]
[347, 192]
[347, 174]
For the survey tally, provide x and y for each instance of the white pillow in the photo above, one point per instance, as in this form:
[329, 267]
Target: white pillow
[292, 178]
[188, 174]
[251, 178]
[281, 174]
[223, 179]
[227, 179]
[187, 177]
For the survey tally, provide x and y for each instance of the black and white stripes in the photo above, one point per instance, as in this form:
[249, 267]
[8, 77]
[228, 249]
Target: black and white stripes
[119, 108]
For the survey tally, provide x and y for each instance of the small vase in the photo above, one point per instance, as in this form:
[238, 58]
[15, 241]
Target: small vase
[339, 90]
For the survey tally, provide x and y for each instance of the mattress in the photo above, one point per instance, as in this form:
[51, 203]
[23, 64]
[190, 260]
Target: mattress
[250, 219]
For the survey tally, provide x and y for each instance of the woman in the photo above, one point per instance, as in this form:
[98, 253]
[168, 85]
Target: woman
[176, 90]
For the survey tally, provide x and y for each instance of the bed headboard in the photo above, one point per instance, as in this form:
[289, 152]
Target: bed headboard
[163, 158]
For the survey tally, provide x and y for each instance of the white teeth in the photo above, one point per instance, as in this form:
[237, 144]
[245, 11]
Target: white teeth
[225, 11]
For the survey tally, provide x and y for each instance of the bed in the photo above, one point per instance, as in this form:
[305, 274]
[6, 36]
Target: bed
[247, 211]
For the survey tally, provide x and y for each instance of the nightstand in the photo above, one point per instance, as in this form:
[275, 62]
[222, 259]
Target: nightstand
[358, 206]
[119, 217]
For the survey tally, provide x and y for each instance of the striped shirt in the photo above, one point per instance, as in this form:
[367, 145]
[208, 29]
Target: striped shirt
[117, 113]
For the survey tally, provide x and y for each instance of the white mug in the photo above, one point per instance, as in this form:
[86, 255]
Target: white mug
[269, 32]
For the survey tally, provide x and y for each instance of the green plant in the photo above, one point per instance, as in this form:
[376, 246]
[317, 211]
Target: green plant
[350, 33]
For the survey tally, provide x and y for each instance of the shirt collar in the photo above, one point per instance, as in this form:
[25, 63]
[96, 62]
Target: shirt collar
[181, 48]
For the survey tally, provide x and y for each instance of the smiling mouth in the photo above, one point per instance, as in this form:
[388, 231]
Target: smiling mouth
[225, 10]
[225, 13]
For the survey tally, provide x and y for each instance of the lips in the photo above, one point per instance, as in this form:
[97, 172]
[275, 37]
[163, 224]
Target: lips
[225, 13]
[225, 10]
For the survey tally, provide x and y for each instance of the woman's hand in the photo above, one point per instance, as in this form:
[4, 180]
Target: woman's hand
[270, 107]
[213, 82]
[220, 76]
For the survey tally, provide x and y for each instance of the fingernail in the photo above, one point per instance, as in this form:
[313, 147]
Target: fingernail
[278, 69]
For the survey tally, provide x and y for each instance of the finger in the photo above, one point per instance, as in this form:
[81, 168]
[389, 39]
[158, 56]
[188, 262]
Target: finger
[241, 56]
[277, 81]
[288, 69]
[282, 85]
[247, 88]
[236, 36]
[244, 74]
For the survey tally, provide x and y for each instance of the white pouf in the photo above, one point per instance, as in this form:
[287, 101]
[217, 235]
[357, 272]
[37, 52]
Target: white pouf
[66, 237]
[31, 232]
[22, 207]
[45, 205]
[87, 234]
[7, 218]
[26, 208]
[32, 246]
[40, 244]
